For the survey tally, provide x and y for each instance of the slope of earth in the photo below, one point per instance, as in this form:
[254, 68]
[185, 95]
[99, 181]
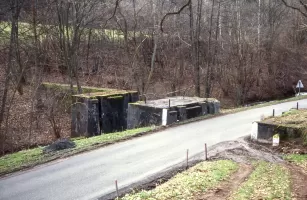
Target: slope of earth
[92, 174]
[260, 173]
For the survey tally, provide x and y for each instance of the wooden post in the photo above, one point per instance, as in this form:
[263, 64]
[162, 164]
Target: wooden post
[206, 152]
[187, 159]
[116, 186]
[273, 112]
[297, 105]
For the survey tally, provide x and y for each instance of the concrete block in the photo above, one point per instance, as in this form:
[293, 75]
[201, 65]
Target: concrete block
[85, 118]
[193, 112]
[182, 113]
[172, 117]
[266, 131]
[133, 116]
[204, 108]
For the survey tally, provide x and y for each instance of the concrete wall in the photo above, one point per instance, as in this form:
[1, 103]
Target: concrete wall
[100, 114]
[140, 115]
[85, 118]
[214, 107]
[266, 131]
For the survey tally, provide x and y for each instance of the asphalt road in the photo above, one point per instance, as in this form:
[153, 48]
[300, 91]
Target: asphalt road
[91, 175]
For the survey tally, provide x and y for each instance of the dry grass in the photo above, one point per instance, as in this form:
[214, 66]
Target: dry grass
[293, 118]
[29, 158]
[268, 181]
[300, 160]
[197, 179]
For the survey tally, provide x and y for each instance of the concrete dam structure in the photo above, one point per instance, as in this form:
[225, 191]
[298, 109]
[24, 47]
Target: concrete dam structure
[111, 111]
[102, 110]
[169, 110]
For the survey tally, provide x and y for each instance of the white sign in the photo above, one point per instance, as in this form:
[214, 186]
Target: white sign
[254, 133]
[164, 117]
[299, 84]
[276, 140]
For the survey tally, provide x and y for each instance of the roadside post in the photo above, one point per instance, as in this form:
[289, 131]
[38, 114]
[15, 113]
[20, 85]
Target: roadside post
[276, 140]
[299, 86]
[254, 131]
[187, 159]
[116, 187]
[206, 152]
[164, 117]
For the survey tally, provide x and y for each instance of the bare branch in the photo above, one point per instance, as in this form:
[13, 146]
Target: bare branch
[114, 12]
[295, 8]
[174, 13]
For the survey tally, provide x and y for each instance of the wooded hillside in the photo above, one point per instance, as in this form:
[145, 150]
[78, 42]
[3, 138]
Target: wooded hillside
[238, 51]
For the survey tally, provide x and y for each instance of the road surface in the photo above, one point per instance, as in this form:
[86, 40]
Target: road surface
[91, 175]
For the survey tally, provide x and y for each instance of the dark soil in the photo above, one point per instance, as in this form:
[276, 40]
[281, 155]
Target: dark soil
[243, 151]
[59, 145]
[299, 182]
[227, 187]
[288, 147]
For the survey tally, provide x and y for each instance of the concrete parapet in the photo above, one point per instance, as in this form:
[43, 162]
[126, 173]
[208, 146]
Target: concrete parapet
[85, 118]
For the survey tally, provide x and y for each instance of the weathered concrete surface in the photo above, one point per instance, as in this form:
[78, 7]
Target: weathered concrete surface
[91, 175]
[141, 116]
[179, 108]
[85, 118]
[266, 131]
[176, 101]
[101, 112]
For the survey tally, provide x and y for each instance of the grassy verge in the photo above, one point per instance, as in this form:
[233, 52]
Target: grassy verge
[268, 181]
[292, 122]
[197, 179]
[300, 160]
[270, 103]
[29, 158]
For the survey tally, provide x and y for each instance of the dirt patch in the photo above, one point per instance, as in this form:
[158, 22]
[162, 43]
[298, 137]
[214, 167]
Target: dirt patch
[298, 180]
[228, 186]
[294, 146]
[242, 151]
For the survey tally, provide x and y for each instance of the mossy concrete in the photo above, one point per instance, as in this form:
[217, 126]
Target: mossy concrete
[291, 125]
[96, 110]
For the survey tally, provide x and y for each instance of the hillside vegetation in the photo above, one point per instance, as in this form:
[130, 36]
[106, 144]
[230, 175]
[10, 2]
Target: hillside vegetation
[239, 52]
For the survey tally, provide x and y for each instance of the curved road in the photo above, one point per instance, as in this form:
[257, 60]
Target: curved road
[91, 175]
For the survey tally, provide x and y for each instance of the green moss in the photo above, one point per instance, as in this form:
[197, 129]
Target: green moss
[293, 122]
[66, 87]
[137, 103]
[115, 97]
[87, 92]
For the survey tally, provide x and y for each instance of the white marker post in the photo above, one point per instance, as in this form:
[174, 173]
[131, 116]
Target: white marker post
[254, 132]
[276, 140]
[164, 117]
[299, 86]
